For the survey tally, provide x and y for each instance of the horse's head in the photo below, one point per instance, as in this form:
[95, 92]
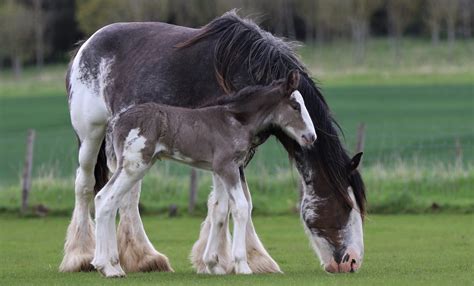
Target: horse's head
[333, 220]
[290, 114]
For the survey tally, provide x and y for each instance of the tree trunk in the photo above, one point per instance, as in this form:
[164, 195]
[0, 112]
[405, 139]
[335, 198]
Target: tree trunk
[39, 33]
[466, 18]
[451, 36]
[395, 43]
[290, 24]
[359, 37]
[435, 33]
[17, 66]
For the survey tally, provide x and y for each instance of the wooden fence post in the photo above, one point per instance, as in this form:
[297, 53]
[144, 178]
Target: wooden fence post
[26, 184]
[192, 191]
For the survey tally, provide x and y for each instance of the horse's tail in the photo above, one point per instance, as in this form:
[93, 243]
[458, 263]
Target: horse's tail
[101, 171]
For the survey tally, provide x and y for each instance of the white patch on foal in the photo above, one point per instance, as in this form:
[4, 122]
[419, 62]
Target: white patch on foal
[133, 145]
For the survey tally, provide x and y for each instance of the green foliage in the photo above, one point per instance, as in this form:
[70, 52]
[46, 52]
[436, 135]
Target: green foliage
[402, 188]
[94, 14]
[399, 250]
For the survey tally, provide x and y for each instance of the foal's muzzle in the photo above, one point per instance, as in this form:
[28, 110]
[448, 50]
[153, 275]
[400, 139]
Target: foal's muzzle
[309, 138]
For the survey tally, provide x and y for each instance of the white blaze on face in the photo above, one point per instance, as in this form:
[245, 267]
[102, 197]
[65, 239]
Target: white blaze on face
[320, 245]
[304, 112]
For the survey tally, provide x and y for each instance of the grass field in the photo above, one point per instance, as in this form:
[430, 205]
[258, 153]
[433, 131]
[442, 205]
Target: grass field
[400, 250]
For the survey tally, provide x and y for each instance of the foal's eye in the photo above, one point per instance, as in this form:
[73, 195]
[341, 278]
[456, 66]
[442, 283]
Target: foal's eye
[296, 106]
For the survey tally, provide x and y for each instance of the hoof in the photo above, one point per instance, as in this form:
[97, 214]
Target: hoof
[77, 263]
[110, 271]
[260, 263]
[217, 270]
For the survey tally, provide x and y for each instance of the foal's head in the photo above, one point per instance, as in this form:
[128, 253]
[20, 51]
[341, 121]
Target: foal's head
[290, 113]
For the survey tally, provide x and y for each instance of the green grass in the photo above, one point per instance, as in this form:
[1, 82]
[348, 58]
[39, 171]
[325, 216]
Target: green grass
[400, 250]
[420, 63]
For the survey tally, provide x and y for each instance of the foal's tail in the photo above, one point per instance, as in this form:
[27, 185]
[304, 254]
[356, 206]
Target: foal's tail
[101, 171]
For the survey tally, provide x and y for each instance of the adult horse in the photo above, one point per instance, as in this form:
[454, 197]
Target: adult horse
[158, 62]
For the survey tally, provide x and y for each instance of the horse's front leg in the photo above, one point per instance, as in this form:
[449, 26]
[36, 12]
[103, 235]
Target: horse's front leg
[216, 257]
[240, 214]
[136, 252]
[258, 258]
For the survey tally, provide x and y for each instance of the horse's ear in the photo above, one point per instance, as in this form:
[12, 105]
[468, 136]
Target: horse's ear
[292, 80]
[355, 161]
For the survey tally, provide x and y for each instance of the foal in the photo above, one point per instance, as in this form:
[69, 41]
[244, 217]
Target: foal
[217, 138]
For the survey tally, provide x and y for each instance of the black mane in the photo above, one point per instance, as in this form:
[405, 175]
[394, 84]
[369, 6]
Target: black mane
[242, 44]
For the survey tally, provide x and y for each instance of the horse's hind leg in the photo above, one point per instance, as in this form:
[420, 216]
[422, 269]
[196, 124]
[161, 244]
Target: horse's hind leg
[135, 249]
[80, 242]
[257, 256]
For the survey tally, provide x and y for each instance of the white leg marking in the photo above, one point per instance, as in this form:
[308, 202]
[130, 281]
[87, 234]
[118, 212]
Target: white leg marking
[240, 214]
[217, 256]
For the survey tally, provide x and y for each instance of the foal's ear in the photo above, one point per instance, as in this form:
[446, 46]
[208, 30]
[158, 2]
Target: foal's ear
[355, 161]
[292, 80]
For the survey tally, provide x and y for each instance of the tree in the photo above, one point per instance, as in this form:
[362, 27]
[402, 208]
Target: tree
[16, 33]
[435, 16]
[467, 9]
[451, 17]
[39, 27]
[400, 15]
[360, 12]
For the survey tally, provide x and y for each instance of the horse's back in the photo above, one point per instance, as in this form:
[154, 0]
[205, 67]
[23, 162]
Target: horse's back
[133, 63]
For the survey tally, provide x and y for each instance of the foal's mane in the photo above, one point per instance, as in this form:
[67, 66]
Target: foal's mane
[242, 44]
[247, 99]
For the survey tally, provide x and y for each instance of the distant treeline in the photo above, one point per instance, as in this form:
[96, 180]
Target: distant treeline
[35, 31]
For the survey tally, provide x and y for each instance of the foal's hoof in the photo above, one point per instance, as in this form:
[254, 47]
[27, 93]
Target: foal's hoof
[216, 270]
[242, 267]
[110, 271]
[77, 263]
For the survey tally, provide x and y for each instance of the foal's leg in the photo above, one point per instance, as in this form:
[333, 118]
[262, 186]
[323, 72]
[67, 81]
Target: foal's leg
[107, 201]
[135, 249]
[217, 254]
[80, 242]
[240, 215]
[258, 258]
